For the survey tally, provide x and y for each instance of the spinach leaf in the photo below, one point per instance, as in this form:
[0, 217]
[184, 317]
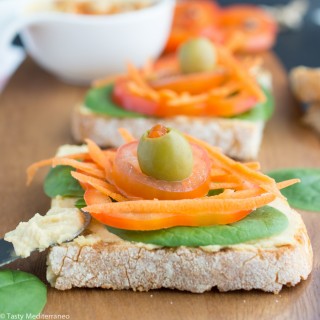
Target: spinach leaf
[262, 111]
[59, 182]
[304, 195]
[214, 192]
[21, 293]
[99, 100]
[261, 223]
[80, 203]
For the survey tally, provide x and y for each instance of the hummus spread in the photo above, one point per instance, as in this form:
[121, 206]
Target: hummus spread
[57, 226]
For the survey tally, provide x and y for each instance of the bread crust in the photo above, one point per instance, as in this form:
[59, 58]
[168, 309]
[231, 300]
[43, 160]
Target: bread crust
[237, 138]
[312, 116]
[305, 83]
[123, 265]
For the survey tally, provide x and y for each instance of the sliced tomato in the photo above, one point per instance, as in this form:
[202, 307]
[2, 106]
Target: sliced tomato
[205, 18]
[193, 18]
[131, 182]
[131, 102]
[256, 27]
[156, 221]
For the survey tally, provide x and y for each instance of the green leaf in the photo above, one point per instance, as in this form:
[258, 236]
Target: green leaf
[304, 195]
[59, 182]
[21, 293]
[262, 111]
[99, 100]
[80, 203]
[215, 192]
[261, 223]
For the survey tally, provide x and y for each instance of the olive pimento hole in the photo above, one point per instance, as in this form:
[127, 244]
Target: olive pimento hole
[157, 131]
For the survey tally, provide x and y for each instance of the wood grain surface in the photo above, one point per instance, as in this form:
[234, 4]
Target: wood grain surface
[34, 120]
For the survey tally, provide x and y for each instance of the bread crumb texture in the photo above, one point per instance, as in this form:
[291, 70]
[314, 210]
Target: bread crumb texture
[123, 265]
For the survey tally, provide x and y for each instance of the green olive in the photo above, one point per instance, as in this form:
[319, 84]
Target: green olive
[167, 157]
[197, 55]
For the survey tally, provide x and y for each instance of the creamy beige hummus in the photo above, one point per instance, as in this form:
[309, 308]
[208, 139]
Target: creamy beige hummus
[57, 226]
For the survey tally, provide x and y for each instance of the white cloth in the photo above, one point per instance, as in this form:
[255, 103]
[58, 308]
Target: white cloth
[10, 56]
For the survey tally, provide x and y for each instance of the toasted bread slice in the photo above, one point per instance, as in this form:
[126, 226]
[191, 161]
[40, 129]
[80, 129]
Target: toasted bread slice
[101, 259]
[237, 138]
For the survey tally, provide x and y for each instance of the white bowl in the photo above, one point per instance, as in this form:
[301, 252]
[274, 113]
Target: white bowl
[81, 48]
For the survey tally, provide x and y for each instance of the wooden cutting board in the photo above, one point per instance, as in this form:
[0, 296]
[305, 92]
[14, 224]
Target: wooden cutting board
[34, 120]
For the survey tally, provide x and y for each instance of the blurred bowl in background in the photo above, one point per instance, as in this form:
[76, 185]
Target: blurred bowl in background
[80, 48]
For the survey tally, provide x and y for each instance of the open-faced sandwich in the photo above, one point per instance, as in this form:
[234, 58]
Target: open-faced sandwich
[203, 90]
[241, 27]
[171, 211]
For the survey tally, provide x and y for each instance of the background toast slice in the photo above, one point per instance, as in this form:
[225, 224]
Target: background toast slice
[238, 138]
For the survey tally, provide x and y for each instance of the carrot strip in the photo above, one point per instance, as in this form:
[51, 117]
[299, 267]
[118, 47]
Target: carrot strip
[102, 186]
[188, 206]
[241, 73]
[287, 183]
[110, 156]
[33, 168]
[253, 165]
[96, 153]
[186, 99]
[148, 68]
[106, 81]
[223, 185]
[135, 75]
[228, 178]
[89, 168]
[217, 172]
[126, 135]
[238, 169]
[241, 194]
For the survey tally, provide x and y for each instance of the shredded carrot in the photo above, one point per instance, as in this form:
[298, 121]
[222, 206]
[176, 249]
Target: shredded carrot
[126, 135]
[242, 194]
[225, 90]
[238, 169]
[167, 94]
[227, 58]
[223, 185]
[287, 183]
[148, 68]
[110, 156]
[106, 81]
[89, 168]
[188, 99]
[135, 75]
[96, 154]
[217, 172]
[188, 206]
[33, 168]
[102, 186]
[252, 165]
[255, 191]
[227, 178]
